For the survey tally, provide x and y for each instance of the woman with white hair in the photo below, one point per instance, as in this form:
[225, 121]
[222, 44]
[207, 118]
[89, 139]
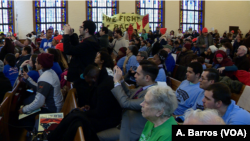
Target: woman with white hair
[158, 106]
[206, 117]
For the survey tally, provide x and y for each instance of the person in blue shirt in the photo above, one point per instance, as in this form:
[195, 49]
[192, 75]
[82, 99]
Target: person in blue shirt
[143, 46]
[189, 89]
[218, 96]
[56, 67]
[47, 42]
[159, 60]
[208, 77]
[170, 62]
[10, 70]
[195, 48]
[130, 60]
[32, 72]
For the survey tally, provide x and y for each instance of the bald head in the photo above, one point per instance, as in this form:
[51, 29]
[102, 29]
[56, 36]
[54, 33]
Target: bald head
[242, 50]
[206, 117]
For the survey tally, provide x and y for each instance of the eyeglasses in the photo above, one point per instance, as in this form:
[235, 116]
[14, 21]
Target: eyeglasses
[203, 79]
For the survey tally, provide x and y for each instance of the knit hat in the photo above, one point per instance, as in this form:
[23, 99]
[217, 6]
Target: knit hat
[123, 50]
[194, 40]
[223, 49]
[187, 46]
[163, 30]
[213, 48]
[232, 31]
[168, 46]
[46, 60]
[58, 38]
[219, 55]
[204, 30]
[1, 66]
[60, 47]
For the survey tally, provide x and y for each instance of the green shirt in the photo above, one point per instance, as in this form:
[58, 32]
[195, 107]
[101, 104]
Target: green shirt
[160, 133]
[145, 36]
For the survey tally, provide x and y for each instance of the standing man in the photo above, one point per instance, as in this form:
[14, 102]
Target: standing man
[119, 41]
[104, 39]
[46, 42]
[82, 53]
[204, 40]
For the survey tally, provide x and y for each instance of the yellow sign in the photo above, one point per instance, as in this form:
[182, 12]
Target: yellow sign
[123, 21]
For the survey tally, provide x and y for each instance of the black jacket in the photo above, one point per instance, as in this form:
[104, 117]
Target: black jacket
[82, 53]
[105, 111]
[5, 86]
[104, 41]
[21, 60]
[242, 63]
[208, 57]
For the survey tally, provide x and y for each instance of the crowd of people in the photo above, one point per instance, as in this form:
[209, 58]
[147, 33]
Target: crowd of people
[101, 65]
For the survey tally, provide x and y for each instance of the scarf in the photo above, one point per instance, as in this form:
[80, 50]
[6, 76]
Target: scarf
[126, 61]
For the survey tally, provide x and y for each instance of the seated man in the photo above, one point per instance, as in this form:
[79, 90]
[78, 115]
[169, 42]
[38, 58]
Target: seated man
[25, 56]
[241, 61]
[218, 96]
[48, 95]
[189, 89]
[206, 117]
[132, 122]
[46, 42]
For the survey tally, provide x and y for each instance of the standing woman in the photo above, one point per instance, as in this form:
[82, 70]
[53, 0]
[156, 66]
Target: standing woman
[7, 48]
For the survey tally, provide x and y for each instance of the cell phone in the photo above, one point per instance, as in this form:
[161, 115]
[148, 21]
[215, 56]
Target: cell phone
[29, 90]
[25, 69]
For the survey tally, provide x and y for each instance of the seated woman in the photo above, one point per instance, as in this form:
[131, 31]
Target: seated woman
[159, 60]
[130, 60]
[223, 64]
[31, 67]
[209, 54]
[10, 70]
[121, 56]
[158, 106]
[184, 58]
[56, 67]
[62, 60]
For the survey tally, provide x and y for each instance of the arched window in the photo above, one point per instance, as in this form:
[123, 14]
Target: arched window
[6, 16]
[155, 9]
[95, 8]
[50, 13]
[191, 15]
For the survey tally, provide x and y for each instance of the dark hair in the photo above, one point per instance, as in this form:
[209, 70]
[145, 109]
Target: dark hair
[27, 49]
[104, 50]
[144, 30]
[197, 67]
[55, 53]
[9, 47]
[213, 74]
[108, 61]
[142, 38]
[176, 43]
[33, 32]
[33, 58]
[201, 60]
[29, 41]
[221, 92]
[144, 41]
[11, 59]
[62, 59]
[156, 47]
[179, 29]
[118, 31]
[229, 35]
[105, 29]
[90, 25]
[163, 55]
[134, 50]
[229, 46]
[194, 56]
[91, 71]
[149, 68]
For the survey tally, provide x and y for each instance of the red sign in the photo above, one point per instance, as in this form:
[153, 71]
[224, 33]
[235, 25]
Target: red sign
[145, 21]
[130, 31]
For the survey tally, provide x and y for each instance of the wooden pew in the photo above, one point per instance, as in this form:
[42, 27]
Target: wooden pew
[173, 83]
[69, 104]
[235, 96]
[208, 65]
[4, 117]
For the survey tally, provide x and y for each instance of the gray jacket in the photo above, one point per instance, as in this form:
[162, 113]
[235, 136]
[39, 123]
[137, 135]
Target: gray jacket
[132, 121]
[201, 41]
